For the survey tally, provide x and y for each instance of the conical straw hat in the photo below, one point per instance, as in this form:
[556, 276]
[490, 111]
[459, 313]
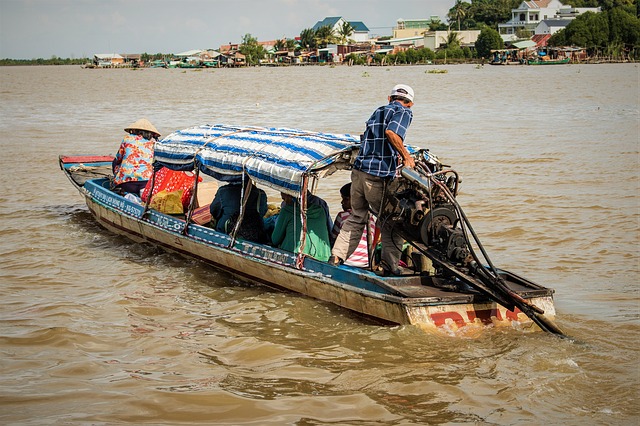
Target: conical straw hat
[143, 124]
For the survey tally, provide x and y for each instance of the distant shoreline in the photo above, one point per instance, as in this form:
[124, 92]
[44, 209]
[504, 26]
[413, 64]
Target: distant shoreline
[479, 62]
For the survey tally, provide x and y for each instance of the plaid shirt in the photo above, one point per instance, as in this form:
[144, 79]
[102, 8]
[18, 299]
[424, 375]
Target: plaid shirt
[377, 156]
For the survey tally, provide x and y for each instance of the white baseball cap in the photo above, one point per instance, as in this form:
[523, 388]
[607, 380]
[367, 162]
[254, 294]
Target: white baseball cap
[403, 91]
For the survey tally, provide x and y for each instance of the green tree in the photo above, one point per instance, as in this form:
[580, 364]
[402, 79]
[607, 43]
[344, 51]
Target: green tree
[492, 12]
[589, 30]
[452, 41]
[308, 38]
[291, 45]
[487, 40]
[250, 48]
[397, 58]
[280, 45]
[344, 32]
[458, 12]
[629, 6]
[624, 27]
[437, 25]
[426, 54]
[412, 56]
[288, 44]
[324, 36]
[355, 59]
[614, 32]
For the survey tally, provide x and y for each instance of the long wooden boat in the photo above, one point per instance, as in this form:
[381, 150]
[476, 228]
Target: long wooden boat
[449, 286]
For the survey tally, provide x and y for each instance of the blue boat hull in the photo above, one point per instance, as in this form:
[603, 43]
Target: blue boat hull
[398, 300]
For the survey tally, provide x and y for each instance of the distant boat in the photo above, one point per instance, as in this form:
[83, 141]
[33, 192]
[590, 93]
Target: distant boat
[158, 64]
[541, 61]
[506, 57]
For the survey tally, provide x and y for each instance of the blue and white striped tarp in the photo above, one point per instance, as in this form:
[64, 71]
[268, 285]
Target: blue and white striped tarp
[275, 157]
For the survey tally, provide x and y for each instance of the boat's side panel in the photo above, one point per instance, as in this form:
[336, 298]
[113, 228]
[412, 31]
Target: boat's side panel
[274, 268]
[249, 268]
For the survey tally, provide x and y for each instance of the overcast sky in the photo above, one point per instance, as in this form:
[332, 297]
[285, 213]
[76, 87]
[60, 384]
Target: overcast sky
[32, 29]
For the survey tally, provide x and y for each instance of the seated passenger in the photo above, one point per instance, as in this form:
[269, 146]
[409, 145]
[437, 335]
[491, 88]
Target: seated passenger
[225, 210]
[132, 165]
[286, 235]
[360, 257]
[314, 199]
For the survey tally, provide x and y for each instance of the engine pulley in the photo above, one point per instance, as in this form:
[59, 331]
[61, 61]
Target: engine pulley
[433, 220]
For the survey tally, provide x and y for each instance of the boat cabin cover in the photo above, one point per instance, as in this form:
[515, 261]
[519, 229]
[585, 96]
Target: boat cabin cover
[279, 158]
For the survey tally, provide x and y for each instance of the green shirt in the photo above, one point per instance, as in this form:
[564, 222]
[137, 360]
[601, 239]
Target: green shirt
[286, 234]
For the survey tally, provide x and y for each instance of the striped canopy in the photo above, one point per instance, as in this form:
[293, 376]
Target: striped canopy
[276, 157]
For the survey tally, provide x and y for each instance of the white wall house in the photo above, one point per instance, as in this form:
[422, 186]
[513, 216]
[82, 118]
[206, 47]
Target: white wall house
[360, 30]
[551, 26]
[530, 14]
[108, 59]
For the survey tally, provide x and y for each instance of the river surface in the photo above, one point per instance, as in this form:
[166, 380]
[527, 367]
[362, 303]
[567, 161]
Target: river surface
[97, 330]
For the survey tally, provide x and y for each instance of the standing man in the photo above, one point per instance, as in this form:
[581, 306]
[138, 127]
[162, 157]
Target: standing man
[374, 167]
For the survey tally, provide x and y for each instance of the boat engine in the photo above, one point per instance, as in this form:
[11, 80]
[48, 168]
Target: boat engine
[424, 215]
[422, 208]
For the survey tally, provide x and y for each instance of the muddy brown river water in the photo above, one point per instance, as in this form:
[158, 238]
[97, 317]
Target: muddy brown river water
[97, 330]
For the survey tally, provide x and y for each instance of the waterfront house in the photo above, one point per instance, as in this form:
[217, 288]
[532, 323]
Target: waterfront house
[551, 26]
[406, 28]
[360, 30]
[529, 14]
[107, 60]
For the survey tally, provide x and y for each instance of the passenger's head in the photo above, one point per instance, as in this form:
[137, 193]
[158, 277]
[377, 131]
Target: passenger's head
[403, 94]
[288, 199]
[345, 193]
[144, 128]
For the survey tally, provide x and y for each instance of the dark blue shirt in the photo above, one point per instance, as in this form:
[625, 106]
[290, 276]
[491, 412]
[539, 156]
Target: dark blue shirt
[377, 156]
[227, 203]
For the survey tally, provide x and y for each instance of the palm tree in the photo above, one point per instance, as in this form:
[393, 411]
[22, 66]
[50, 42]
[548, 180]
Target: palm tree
[324, 36]
[280, 45]
[290, 44]
[458, 12]
[452, 40]
[308, 38]
[344, 32]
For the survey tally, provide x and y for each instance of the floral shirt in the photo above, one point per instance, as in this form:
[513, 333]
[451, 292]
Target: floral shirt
[133, 160]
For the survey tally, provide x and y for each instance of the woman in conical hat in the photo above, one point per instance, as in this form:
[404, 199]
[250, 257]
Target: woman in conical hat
[143, 125]
[132, 166]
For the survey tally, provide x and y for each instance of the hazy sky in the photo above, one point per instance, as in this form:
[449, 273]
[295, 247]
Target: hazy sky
[80, 28]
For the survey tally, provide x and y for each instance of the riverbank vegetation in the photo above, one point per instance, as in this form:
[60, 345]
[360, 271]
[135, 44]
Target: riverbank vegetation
[54, 60]
[612, 35]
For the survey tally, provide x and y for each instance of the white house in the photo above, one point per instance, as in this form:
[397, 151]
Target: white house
[551, 26]
[108, 59]
[360, 30]
[530, 14]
